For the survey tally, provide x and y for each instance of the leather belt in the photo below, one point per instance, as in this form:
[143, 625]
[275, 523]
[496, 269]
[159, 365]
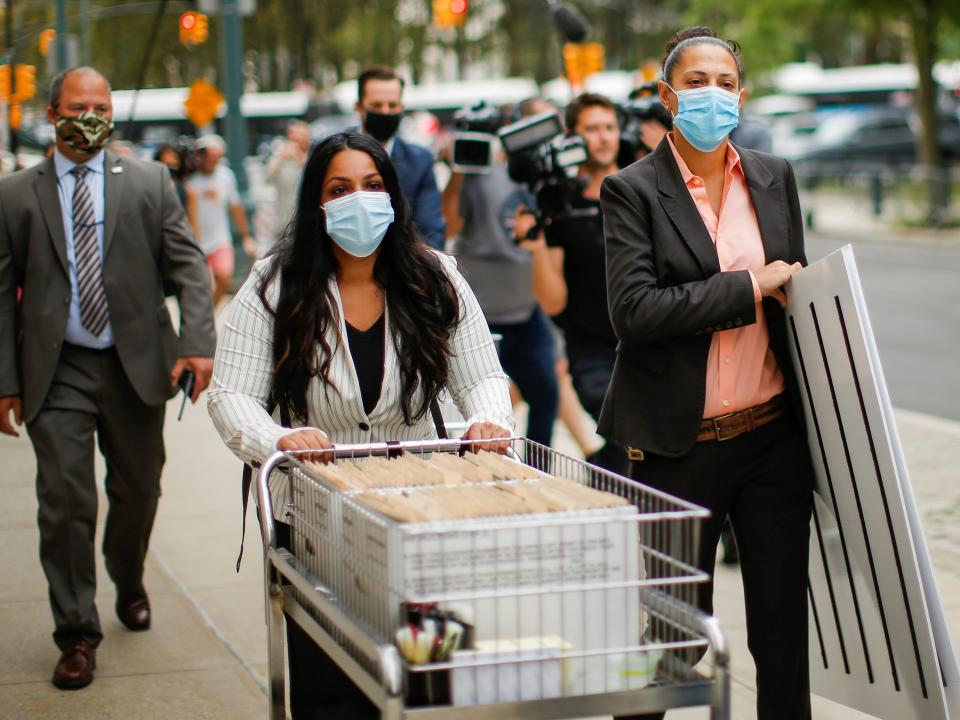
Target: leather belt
[727, 427]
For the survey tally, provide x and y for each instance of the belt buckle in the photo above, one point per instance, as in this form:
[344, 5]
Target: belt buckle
[716, 427]
[635, 454]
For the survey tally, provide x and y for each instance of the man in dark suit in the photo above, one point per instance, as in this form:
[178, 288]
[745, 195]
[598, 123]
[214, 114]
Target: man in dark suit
[380, 106]
[89, 241]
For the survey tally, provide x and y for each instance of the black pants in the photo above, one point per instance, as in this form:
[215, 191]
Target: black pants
[526, 352]
[762, 480]
[319, 690]
[591, 367]
[91, 396]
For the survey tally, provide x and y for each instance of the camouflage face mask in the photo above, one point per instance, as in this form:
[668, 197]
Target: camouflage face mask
[86, 133]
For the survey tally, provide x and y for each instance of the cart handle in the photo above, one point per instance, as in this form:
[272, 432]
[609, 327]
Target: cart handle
[399, 447]
[265, 502]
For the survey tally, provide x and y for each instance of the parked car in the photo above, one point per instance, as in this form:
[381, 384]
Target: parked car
[850, 141]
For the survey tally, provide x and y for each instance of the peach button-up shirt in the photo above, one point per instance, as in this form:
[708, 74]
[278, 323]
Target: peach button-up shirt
[741, 369]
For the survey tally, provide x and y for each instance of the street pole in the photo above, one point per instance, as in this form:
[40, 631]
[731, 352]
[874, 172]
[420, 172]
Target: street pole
[84, 32]
[12, 69]
[61, 38]
[231, 61]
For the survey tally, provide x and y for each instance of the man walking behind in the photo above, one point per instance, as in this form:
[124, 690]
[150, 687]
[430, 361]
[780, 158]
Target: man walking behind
[89, 241]
[380, 106]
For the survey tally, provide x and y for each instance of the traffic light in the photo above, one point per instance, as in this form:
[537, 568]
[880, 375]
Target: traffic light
[26, 82]
[188, 21]
[194, 28]
[594, 58]
[581, 60]
[46, 39]
[201, 30]
[458, 9]
[449, 13]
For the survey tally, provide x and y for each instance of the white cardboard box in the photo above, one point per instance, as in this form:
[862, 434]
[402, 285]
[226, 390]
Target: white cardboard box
[493, 572]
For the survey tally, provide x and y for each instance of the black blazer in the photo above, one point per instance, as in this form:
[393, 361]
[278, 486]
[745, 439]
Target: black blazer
[667, 295]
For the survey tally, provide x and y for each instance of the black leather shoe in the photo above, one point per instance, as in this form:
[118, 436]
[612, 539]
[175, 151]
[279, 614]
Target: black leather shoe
[134, 610]
[75, 667]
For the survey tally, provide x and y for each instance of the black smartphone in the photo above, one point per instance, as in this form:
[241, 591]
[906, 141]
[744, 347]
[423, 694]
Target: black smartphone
[185, 382]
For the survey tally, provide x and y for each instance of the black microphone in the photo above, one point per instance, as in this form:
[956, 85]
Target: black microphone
[571, 24]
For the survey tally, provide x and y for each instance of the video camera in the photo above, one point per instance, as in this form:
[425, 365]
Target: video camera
[475, 130]
[644, 104]
[547, 162]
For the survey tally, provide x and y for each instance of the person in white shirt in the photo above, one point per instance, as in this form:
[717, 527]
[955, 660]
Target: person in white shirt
[354, 325]
[212, 199]
[283, 173]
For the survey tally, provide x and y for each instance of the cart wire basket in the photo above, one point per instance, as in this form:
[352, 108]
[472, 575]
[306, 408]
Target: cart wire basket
[563, 614]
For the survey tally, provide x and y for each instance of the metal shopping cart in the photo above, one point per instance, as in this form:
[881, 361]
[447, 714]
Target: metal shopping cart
[570, 614]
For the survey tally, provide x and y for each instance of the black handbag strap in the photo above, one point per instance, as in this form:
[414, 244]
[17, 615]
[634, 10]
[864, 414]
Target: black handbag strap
[247, 479]
[438, 420]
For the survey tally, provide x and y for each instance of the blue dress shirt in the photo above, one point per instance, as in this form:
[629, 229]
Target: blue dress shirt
[76, 333]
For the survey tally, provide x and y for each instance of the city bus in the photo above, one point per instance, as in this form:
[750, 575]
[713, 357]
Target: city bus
[159, 115]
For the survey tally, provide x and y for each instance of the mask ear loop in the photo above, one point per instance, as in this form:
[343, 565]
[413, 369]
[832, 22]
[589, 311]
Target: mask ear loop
[673, 114]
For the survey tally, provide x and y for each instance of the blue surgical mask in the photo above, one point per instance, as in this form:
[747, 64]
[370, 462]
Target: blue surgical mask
[706, 115]
[357, 222]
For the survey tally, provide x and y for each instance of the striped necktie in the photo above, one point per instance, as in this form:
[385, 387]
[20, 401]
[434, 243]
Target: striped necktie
[93, 299]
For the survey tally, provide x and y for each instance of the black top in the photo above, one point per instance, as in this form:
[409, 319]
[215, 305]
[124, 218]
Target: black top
[367, 351]
[586, 319]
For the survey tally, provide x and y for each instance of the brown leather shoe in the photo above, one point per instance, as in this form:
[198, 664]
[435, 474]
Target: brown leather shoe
[134, 610]
[75, 667]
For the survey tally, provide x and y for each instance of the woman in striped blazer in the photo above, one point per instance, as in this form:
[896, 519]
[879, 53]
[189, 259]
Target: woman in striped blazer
[354, 325]
[355, 347]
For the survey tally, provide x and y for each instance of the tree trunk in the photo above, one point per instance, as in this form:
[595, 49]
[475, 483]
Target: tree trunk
[515, 28]
[926, 13]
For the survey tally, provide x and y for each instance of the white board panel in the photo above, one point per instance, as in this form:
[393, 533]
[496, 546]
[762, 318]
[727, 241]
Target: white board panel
[878, 637]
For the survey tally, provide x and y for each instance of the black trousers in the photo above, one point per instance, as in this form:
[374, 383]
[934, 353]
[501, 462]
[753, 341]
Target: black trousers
[526, 352]
[91, 396]
[762, 481]
[319, 690]
[591, 367]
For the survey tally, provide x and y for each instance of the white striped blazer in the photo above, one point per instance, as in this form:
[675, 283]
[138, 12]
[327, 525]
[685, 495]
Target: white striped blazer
[240, 386]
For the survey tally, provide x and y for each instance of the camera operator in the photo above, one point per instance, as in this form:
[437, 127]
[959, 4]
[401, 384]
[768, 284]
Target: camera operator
[569, 274]
[479, 209]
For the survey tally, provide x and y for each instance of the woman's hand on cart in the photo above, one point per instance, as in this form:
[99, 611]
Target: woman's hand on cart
[307, 439]
[488, 436]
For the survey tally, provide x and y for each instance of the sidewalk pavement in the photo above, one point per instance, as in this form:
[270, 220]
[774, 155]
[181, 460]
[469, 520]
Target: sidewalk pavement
[850, 214]
[205, 656]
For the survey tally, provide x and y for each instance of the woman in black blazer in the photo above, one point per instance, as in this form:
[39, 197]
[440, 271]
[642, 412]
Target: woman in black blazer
[700, 238]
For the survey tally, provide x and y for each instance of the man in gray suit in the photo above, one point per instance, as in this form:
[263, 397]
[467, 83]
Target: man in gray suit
[88, 243]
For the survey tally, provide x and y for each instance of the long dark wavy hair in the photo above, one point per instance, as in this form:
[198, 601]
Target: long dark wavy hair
[421, 299]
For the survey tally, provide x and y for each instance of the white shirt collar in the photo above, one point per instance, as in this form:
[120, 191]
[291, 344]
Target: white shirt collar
[64, 165]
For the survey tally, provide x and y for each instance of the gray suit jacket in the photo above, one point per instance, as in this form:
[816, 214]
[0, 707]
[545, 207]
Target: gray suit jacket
[667, 295]
[147, 246]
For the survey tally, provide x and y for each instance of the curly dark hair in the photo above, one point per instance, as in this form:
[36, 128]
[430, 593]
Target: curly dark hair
[421, 299]
[697, 35]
